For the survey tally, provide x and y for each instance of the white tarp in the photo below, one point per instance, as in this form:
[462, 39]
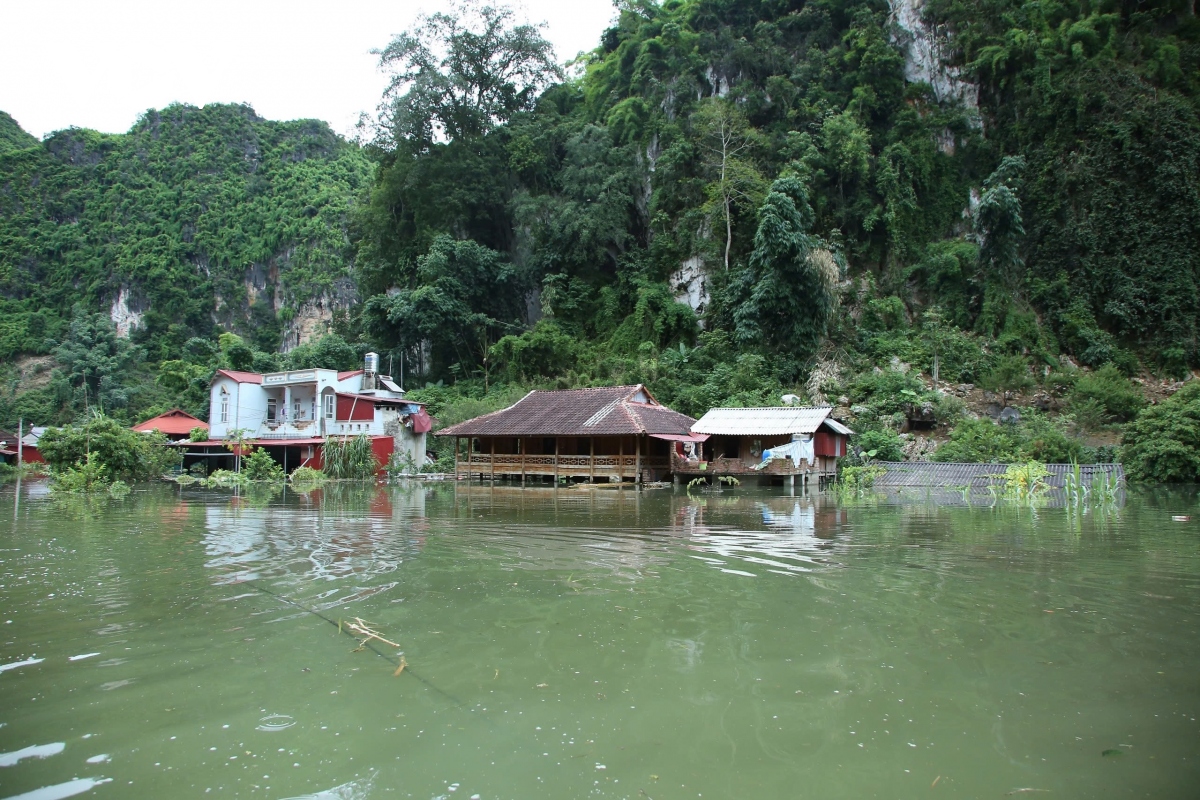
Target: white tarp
[799, 449]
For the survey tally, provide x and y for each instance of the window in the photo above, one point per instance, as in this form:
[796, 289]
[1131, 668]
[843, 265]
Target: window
[224, 405]
[329, 406]
[272, 406]
[296, 410]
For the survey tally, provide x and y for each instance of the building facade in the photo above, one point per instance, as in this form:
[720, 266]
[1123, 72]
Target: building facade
[767, 443]
[291, 414]
[612, 434]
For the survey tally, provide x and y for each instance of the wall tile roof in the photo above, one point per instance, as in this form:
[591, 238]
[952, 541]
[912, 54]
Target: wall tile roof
[603, 411]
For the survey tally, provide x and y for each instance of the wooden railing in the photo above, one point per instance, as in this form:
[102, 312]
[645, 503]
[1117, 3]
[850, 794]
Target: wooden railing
[567, 466]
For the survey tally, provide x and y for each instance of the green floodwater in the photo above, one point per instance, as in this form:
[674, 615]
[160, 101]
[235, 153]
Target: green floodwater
[596, 643]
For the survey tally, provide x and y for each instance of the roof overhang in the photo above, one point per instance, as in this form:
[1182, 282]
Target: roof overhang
[680, 437]
[837, 427]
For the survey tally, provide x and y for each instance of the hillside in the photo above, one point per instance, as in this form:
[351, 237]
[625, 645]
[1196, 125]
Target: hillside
[12, 136]
[197, 217]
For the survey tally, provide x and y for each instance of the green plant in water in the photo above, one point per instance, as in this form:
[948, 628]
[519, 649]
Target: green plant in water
[260, 467]
[84, 477]
[350, 458]
[307, 476]
[223, 478]
[1025, 482]
[856, 481]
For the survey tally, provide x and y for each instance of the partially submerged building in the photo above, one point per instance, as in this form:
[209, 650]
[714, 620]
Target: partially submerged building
[291, 415]
[767, 443]
[614, 433]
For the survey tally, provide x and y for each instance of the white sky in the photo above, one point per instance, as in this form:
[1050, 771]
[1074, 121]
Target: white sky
[101, 63]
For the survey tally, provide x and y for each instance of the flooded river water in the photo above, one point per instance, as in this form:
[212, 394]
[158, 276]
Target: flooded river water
[595, 643]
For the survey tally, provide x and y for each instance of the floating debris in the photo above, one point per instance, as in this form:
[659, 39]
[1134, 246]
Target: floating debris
[360, 627]
[1112, 752]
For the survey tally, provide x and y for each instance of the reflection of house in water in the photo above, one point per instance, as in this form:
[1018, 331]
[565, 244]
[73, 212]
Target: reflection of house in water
[340, 534]
[574, 530]
[799, 534]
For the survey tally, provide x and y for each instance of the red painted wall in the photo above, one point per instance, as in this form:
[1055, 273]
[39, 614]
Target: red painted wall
[827, 443]
[382, 447]
[360, 410]
[31, 455]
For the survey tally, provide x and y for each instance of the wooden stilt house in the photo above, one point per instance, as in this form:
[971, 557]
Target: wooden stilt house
[614, 433]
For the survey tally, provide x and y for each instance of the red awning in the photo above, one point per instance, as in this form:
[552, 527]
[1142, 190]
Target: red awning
[680, 437]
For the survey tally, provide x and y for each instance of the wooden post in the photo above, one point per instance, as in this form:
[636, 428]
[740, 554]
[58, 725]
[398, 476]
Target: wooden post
[592, 458]
[492, 459]
[521, 443]
[556, 461]
[20, 436]
[637, 464]
[621, 459]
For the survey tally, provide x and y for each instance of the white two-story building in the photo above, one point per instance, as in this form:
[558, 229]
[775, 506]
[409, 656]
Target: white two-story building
[291, 414]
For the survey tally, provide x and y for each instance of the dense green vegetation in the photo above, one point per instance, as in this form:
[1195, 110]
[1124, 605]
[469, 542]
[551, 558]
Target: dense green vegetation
[198, 217]
[835, 228]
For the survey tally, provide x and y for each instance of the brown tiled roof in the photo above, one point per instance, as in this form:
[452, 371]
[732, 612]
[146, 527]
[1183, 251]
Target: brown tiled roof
[605, 411]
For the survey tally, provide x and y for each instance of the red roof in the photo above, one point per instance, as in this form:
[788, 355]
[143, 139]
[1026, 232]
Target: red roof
[241, 377]
[343, 375]
[173, 422]
[605, 411]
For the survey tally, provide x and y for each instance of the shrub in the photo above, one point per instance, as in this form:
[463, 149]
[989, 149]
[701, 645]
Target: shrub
[307, 475]
[884, 445]
[1163, 443]
[124, 454]
[82, 477]
[1105, 395]
[198, 434]
[1045, 440]
[260, 466]
[886, 392]
[1010, 376]
[979, 441]
[223, 478]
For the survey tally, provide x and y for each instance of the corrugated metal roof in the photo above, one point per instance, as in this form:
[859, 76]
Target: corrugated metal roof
[950, 475]
[762, 421]
[838, 427]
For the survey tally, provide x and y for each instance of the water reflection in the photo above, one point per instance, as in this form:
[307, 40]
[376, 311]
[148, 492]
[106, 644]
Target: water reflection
[797, 535]
[340, 533]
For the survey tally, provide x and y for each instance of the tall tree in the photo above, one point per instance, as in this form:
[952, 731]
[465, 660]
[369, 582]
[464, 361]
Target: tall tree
[96, 363]
[725, 142]
[788, 289]
[1000, 232]
[457, 74]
